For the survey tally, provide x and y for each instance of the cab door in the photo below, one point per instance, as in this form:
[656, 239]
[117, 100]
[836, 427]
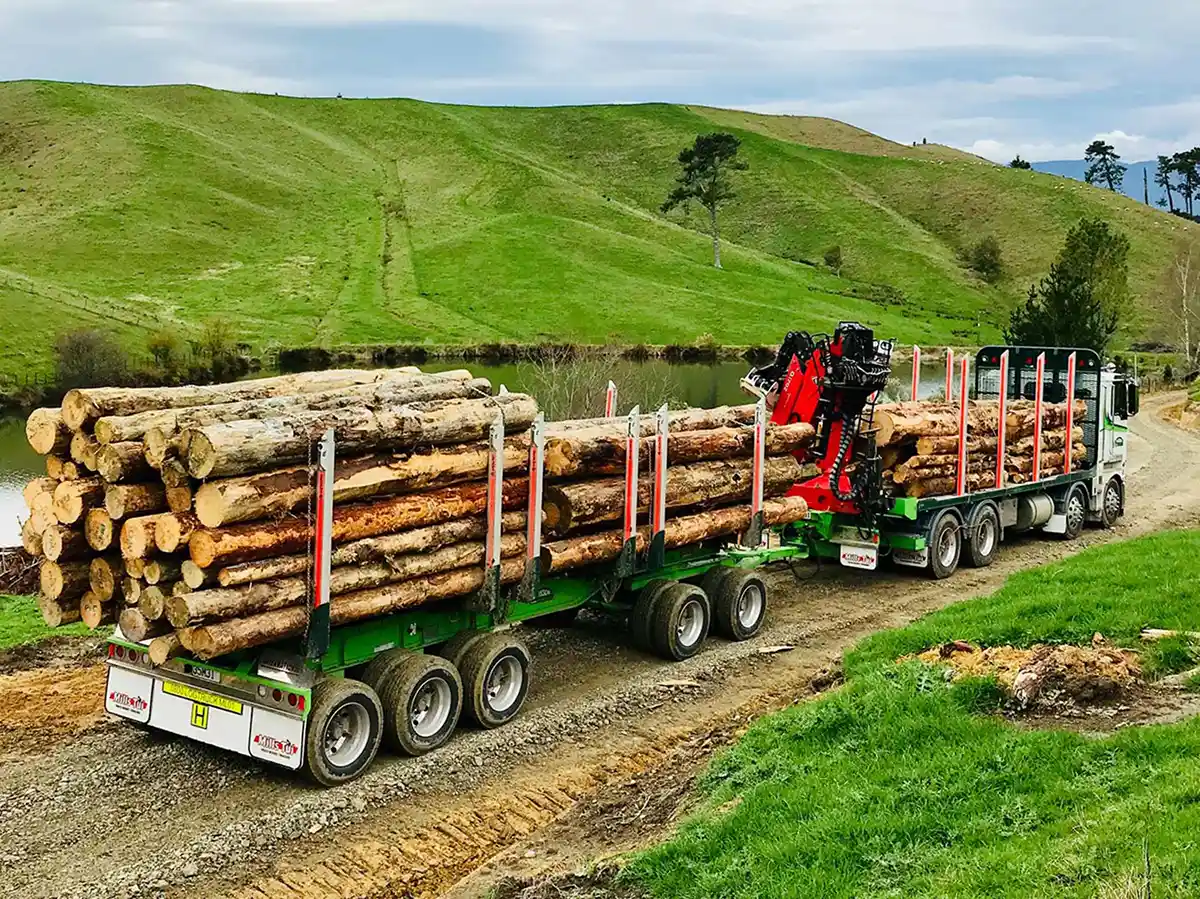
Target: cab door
[1114, 442]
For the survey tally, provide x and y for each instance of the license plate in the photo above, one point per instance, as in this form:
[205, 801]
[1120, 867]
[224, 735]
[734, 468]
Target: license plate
[865, 557]
[913, 558]
[213, 677]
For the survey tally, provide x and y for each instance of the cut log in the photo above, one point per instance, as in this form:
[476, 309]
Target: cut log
[94, 613]
[949, 486]
[131, 590]
[242, 447]
[174, 474]
[123, 462]
[161, 570]
[80, 408]
[172, 532]
[153, 603]
[72, 499]
[104, 577]
[99, 529]
[931, 446]
[62, 469]
[64, 581]
[247, 542]
[195, 576]
[592, 549]
[899, 422]
[125, 500]
[58, 613]
[273, 493]
[41, 516]
[135, 567]
[31, 539]
[160, 446]
[570, 506]
[47, 433]
[38, 487]
[165, 648]
[137, 536]
[83, 449]
[179, 588]
[179, 500]
[371, 549]
[689, 419]
[213, 640]
[216, 605]
[137, 628]
[63, 544]
[599, 451]
[946, 467]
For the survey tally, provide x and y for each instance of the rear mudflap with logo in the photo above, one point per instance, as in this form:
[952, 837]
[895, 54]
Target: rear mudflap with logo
[276, 738]
[128, 694]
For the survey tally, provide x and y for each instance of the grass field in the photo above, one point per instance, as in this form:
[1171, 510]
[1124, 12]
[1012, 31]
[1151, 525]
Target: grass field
[376, 221]
[21, 622]
[901, 785]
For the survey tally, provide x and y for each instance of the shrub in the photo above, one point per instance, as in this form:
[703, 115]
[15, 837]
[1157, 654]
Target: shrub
[986, 260]
[89, 358]
[834, 259]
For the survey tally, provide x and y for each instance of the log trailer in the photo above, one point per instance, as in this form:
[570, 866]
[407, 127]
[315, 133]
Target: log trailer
[327, 702]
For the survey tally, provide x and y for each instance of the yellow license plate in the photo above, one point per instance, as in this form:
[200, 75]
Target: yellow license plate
[202, 696]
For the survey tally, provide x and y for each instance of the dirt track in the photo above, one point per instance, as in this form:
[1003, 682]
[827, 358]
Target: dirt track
[598, 762]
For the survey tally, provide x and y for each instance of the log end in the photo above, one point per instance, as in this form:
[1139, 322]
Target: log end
[46, 431]
[99, 530]
[200, 455]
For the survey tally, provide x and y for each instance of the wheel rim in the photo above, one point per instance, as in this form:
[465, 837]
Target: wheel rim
[750, 605]
[985, 535]
[691, 623]
[948, 546]
[1112, 502]
[1076, 513]
[347, 734]
[504, 683]
[430, 707]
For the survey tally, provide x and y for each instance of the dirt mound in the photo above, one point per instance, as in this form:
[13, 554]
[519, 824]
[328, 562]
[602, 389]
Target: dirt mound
[1045, 675]
[601, 883]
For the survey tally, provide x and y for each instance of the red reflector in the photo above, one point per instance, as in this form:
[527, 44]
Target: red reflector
[300, 703]
[110, 650]
[277, 695]
[120, 652]
[292, 698]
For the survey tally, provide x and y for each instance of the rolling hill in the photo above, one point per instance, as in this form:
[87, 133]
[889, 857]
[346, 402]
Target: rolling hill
[367, 221]
[1139, 177]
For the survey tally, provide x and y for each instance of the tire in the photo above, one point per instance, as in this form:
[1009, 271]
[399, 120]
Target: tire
[376, 673]
[455, 649]
[680, 623]
[983, 536]
[495, 676]
[641, 619]
[739, 604]
[713, 579]
[422, 699]
[344, 731]
[945, 545]
[1112, 503]
[1075, 508]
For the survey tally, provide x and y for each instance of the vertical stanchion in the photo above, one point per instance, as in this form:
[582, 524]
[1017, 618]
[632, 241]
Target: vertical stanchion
[633, 437]
[658, 527]
[503, 391]
[610, 401]
[1070, 443]
[916, 373]
[962, 428]
[754, 535]
[533, 534]
[317, 634]
[1002, 427]
[488, 598]
[949, 375]
[1039, 393]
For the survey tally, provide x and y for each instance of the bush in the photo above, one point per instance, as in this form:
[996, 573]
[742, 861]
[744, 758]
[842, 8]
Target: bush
[89, 358]
[217, 348]
[986, 260]
[169, 353]
[834, 259]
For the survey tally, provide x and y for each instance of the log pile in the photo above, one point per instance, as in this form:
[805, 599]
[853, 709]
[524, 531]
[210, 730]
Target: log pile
[919, 444]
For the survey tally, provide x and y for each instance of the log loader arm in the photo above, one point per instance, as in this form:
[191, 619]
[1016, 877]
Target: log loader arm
[831, 383]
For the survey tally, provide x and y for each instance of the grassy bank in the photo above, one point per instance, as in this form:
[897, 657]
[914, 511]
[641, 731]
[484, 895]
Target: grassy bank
[21, 623]
[900, 784]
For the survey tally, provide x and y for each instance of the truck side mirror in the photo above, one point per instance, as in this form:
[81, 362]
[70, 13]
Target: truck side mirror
[1132, 400]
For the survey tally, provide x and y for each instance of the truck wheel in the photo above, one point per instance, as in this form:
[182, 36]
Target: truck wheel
[495, 676]
[455, 649]
[1113, 505]
[378, 670]
[1075, 511]
[739, 604]
[983, 536]
[344, 730]
[945, 546]
[422, 699]
[681, 620]
[641, 619]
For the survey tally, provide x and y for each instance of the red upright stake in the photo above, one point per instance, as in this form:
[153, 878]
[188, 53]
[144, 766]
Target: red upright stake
[1002, 429]
[916, 373]
[537, 472]
[633, 436]
[962, 430]
[1070, 414]
[949, 375]
[1039, 393]
[610, 401]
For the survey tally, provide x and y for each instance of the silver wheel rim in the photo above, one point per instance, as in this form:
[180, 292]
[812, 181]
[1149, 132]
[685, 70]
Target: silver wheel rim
[430, 707]
[1112, 502]
[691, 623]
[1075, 513]
[985, 536]
[504, 683]
[347, 734]
[750, 606]
[948, 547]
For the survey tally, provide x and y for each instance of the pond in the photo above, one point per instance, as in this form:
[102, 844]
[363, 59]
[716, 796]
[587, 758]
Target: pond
[564, 391]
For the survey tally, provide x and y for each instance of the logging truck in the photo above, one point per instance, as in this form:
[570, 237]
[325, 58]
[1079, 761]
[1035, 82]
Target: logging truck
[326, 702]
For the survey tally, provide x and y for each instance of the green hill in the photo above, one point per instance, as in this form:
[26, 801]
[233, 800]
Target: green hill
[366, 221]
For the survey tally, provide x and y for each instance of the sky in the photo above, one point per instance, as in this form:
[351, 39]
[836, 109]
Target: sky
[996, 77]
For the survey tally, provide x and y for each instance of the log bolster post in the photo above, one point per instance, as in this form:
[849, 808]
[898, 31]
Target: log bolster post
[610, 401]
[316, 638]
[528, 590]
[916, 373]
[754, 533]
[1039, 393]
[1070, 412]
[488, 598]
[658, 530]
[1002, 420]
[962, 429]
[627, 562]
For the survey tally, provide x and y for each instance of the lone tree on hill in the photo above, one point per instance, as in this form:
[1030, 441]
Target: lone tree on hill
[1019, 163]
[707, 177]
[1104, 166]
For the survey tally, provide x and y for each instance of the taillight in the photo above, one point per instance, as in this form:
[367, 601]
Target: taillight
[300, 703]
[292, 697]
[277, 695]
[111, 650]
[120, 652]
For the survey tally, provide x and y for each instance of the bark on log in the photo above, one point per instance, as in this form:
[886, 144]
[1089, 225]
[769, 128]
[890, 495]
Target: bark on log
[94, 613]
[72, 499]
[63, 544]
[213, 640]
[592, 549]
[577, 453]
[179, 500]
[80, 408]
[137, 628]
[83, 449]
[153, 603]
[172, 532]
[690, 419]
[164, 648]
[31, 539]
[123, 462]
[104, 577]
[245, 543]
[58, 614]
[242, 447]
[195, 576]
[161, 570]
[949, 486]
[64, 581]
[930, 446]
[137, 536]
[371, 549]
[126, 500]
[47, 432]
[38, 487]
[943, 467]
[174, 474]
[899, 422]
[570, 506]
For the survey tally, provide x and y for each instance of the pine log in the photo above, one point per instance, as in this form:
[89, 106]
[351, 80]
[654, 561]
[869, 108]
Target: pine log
[242, 447]
[174, 474]
[159, 446]
[57, 613]
[38, 487]
[104, 577]
[179, 500]
[31, 539]
[592, 549]
[135, 567]
[570, 506]
[161, 570]
[592, 452]
[99, 530]
[172, 532]
[123, 462]
[83, 449]
[180, 587]
[131, 590]
[898, 422]
[165, 648]
[137, 536]
[72, 499]
[64, 544]
[80, 408]
[64, 581]
[949, 486]
[262, 540]
[371, 549]
[946, 467]
[930, 446]
[41, 516]
[690, 419]
[195, 576]
[62, 469]
[216, 605]
[213, 640]
[94, 613]
[47, 433]
[137, 628]
[125, 500]
[153, 603]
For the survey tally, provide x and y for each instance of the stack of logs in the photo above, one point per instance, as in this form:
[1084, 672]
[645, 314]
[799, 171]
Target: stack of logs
[185, 514]
[919, 444]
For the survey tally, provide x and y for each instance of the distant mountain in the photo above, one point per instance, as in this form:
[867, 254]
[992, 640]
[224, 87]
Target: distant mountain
[1133, 186]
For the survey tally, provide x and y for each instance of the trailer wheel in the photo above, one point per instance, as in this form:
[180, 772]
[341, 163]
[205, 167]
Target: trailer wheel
[495, 676]
[1112, 505]
[1075, 511]
[377, 671]
[945, 545]
[983, 536]
[455, 649]
[422, 699]
[641, 619]
[681, 621]
[344, 730]
[739, 604]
